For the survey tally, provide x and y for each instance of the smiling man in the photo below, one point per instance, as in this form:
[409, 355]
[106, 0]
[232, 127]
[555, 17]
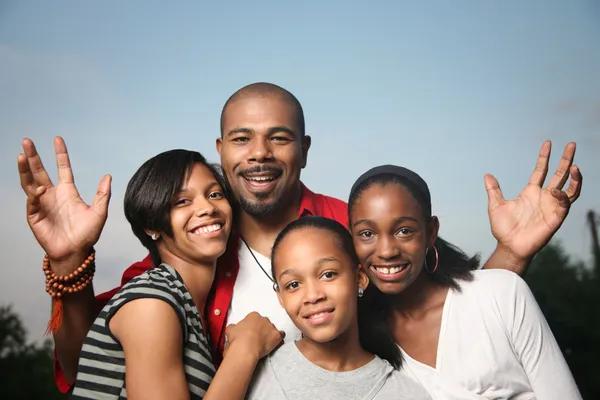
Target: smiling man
[263, 148]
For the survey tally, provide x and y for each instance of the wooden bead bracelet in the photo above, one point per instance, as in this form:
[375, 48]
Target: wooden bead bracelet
[58, 286]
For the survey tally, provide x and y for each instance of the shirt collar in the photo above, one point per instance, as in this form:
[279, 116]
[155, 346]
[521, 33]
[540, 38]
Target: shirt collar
[308, 202]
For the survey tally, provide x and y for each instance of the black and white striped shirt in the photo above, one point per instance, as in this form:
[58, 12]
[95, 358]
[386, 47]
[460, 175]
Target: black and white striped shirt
[101, 371]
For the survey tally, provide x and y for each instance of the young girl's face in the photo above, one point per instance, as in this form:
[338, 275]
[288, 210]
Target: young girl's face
[390, 236]
[201, 218]
[318, 284]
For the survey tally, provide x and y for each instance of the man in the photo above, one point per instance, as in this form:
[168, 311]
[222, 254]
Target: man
[263, 148]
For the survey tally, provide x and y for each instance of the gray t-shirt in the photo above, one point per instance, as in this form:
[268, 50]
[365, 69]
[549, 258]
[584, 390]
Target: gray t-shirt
[287, 374]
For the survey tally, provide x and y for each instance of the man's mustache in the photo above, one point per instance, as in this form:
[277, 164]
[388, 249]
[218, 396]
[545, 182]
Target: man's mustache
[261, 169]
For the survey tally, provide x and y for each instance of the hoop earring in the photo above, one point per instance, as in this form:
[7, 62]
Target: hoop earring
[437, 260]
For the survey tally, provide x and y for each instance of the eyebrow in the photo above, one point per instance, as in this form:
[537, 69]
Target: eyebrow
[239, 130]
[271, 131]
[210, 185]
[320, 263]
[396, 220]
[281, 129]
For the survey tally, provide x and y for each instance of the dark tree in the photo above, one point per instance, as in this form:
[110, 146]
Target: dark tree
[26, 369]
[568, 292]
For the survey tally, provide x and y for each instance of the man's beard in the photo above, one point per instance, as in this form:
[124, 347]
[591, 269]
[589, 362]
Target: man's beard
[261, 209]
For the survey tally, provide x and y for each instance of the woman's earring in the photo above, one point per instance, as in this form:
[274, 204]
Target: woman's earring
[154, 236]
[361, 291]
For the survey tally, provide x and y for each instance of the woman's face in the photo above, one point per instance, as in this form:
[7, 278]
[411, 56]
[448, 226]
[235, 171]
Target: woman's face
[390, 236]
[318, 284]
[201, 219]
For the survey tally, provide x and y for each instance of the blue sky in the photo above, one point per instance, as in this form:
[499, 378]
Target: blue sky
[452, 90]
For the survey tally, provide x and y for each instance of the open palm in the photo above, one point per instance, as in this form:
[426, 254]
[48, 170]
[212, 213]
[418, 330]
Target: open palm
[63, 224]
[524, 225]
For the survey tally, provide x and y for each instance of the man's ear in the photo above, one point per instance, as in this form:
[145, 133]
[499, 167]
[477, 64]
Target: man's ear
[305, 147]
[219, 143]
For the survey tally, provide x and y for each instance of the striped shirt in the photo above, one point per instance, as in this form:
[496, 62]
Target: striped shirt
[101, 371]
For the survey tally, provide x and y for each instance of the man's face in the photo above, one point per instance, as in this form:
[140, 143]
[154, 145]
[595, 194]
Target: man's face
[262, 153]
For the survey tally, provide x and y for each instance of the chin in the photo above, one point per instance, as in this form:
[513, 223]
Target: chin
[391, 288]
[320, 335]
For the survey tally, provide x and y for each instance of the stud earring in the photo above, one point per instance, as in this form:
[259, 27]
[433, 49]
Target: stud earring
[361, 291]
[154, 236]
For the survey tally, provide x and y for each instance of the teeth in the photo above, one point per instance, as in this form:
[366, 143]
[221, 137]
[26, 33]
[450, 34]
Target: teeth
[392, 270]
[207, 228]
[317, 315]
[260, 178]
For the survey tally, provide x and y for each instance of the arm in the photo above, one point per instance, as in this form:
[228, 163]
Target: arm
[536, 347]
[66, 228]
[234, 374]
[524, 225]
[151, 335]
[79, 312]
[503, 258]
[248, 341]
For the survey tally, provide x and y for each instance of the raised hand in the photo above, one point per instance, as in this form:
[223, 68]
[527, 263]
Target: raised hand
[63, 224]
[524, 225]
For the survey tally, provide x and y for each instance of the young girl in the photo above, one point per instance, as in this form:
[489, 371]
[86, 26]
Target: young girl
[464, 333]
[149, 341]
[318, 283]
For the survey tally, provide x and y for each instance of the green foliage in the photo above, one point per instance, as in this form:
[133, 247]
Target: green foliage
[27, 369]
[568, 293]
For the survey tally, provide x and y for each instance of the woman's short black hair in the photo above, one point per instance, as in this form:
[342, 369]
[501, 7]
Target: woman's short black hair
[374, 334]
[151, 191]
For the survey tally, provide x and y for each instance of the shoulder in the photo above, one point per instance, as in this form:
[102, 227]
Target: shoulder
[398, 382]
[284, 354]
[492, 281]
[325, 206]
[161, 290]
[264, 383]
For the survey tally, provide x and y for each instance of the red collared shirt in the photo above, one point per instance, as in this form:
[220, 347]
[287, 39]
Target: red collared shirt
[227, 269]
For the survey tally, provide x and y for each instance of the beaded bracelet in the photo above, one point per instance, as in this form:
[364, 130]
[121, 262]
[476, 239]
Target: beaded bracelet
[58, 286]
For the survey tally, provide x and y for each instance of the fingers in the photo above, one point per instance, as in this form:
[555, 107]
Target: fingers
[538, 175]
[282, 333]
[495, 197]
[25, 175]
[40, 176]
[563, 201]
[574, 189]
[65, 173]
[33, 201]
[102, 198]
[561, 175]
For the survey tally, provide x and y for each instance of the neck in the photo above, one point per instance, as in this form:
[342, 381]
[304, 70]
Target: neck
[419, 298]
[197, 276]
[344, 353]
[260, 232]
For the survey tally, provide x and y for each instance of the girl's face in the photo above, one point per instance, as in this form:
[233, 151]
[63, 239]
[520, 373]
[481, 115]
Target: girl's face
[201, 219]
[318, 284]
[391, 236]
